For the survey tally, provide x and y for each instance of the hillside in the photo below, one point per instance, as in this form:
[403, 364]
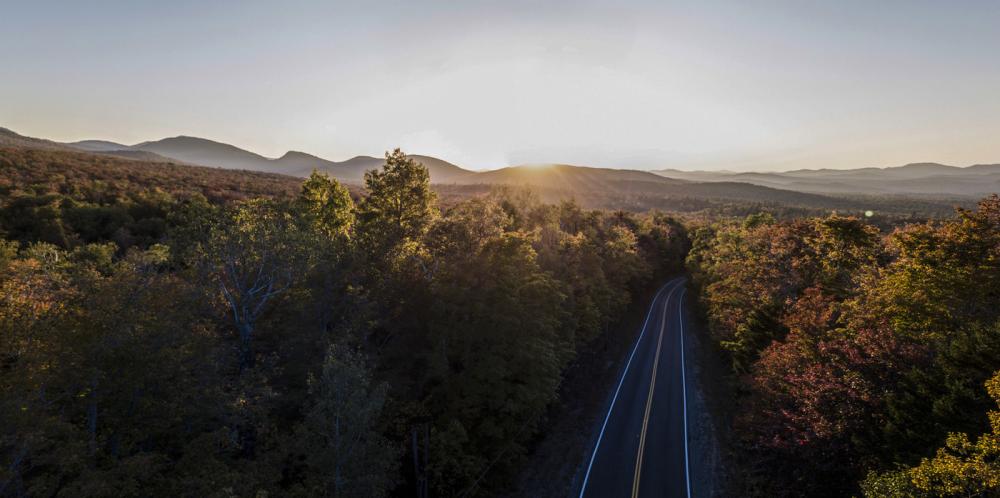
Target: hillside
[916, 179]
[633, 190]
[8, 138]
[200, 151]
[139, 155]
[353, 170]
[639, 190]
[98, 146]
[205, 152]
[97, 177]
[924, 179]
[911, 188]
[568, 177]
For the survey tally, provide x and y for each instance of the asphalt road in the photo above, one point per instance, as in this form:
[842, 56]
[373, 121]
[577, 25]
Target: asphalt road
[641, 448]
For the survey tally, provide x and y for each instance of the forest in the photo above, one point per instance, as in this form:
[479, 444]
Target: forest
[862, 362]
[199, 332]
[175, 330]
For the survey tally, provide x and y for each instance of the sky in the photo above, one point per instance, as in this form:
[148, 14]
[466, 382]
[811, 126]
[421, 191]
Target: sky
[647, 84]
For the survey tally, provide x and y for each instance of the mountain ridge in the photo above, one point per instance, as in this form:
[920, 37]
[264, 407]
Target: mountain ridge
[925, 178]
[918, 178]
[207, 152]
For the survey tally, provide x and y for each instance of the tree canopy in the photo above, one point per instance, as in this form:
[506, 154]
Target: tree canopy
[297, 344]
[855, 352]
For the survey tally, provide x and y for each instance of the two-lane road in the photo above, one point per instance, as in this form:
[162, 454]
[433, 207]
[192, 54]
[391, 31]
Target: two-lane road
[641, 449]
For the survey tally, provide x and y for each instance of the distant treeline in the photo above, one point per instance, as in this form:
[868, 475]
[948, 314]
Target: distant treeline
[862, 363]
[200, 332]
[69, 197]
[710, 201]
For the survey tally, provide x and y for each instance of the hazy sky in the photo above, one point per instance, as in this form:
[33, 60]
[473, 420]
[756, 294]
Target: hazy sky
[709, 85]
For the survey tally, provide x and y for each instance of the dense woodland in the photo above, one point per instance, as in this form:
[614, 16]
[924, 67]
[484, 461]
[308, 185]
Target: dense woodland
[192, 335]
[864, 362]
[185, 331]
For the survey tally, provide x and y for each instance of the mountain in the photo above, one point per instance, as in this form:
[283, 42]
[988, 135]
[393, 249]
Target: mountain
[9, 138]
[924, 179]
[98, 146]
[571, 178]
[984, 168]
[916, 179]
[618, 188]
[300, 163]
[134, 168]
[139, 155]
[441, 171]
[99, 178]
[206, 152]
[353, 169]
[200, 151]
[915, 170]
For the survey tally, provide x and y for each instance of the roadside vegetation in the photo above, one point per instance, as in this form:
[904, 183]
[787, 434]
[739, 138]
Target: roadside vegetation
[195, 332]
[864, 362]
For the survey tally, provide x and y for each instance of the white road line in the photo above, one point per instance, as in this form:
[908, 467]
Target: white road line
[687, 467]
[586, 477]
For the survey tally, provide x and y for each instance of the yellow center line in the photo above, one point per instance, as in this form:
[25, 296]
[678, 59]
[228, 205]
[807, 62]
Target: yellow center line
[649, 399]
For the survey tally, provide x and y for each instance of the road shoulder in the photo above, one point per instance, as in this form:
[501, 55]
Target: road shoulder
[704, 384]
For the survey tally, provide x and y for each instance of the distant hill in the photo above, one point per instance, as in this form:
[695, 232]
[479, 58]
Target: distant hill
[934, 183]
[984, 168]
[569, 177]
[921, 179]
[632, 189]
[353, 170]
[98, 146]
[140, 155]
[924, 179]
[205, 152]
[200, 151]
[32, 165]
[96, 177]
[10, 139]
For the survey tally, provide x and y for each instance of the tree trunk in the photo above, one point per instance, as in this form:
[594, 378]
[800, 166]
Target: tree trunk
[92, 418]
[247, 358]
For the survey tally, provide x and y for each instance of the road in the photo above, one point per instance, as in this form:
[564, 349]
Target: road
[641, 448]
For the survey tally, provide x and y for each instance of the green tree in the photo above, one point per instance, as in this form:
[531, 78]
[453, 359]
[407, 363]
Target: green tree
[100, 359]
[400, 203]
[343, 451]
[327, 205]
[962, 468]
[942, 290]
[253, 257]
[497, 349]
